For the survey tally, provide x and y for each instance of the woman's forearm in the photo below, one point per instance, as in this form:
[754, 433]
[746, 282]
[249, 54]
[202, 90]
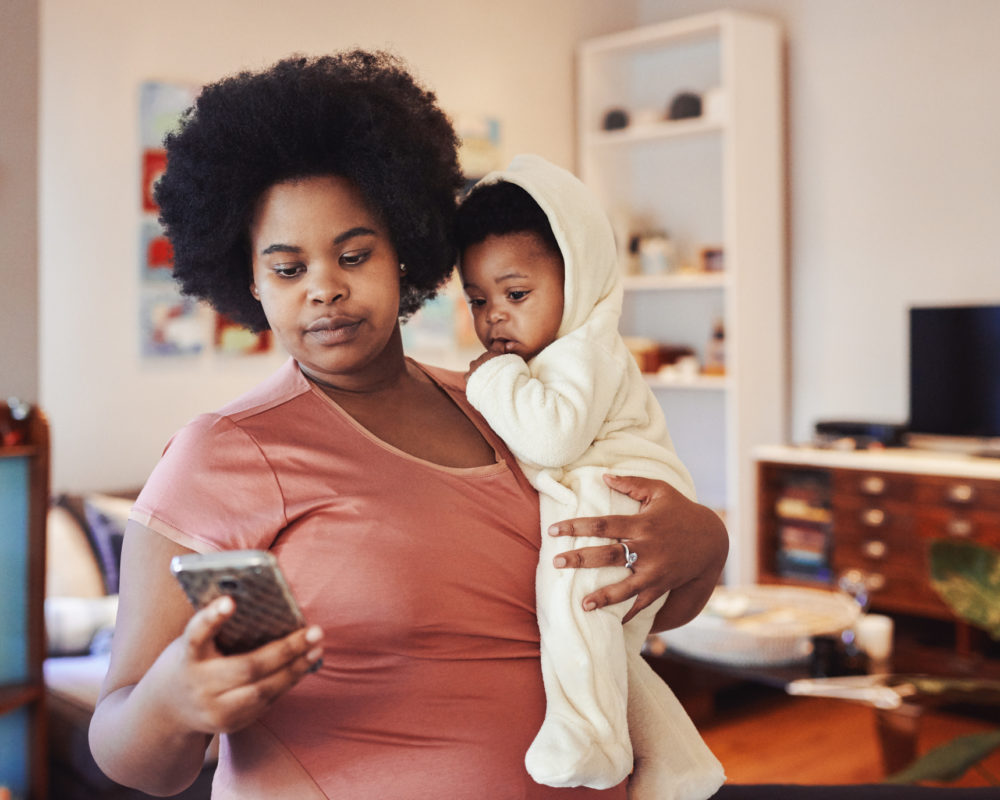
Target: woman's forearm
[137, 743]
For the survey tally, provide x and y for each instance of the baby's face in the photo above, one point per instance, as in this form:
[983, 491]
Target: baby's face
[514, 284]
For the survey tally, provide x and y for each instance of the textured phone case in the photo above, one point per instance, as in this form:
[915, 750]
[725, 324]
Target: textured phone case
[264, 607]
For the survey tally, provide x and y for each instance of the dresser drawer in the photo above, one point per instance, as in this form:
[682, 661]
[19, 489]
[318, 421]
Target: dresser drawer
[957, 493]
[857, 486]
[965, 524]
[895, 584]
[874, 551]
[861, 517]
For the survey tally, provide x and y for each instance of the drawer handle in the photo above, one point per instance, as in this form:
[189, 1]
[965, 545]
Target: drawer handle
[872, 484]
[873, 517]
[875, 549]
[959, 528]
[858, 583]
[961, 493]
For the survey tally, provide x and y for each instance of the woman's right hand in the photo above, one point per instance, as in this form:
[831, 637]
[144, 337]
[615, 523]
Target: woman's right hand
[168, 689]
[217, 693]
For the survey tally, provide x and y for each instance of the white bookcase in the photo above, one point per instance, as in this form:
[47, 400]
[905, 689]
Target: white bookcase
[716, 180]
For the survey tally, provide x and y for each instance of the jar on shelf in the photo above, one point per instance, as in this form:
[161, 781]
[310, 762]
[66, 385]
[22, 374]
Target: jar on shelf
[657, 254]
[715, 351]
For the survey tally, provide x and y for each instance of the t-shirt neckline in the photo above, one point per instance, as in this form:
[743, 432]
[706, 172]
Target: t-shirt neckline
[500, 465]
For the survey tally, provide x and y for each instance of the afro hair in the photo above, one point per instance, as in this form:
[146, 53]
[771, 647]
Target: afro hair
[499, 209]
[359, 115]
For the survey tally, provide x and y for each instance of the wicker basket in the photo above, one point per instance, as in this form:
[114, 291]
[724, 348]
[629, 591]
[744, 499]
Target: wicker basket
[762, 625]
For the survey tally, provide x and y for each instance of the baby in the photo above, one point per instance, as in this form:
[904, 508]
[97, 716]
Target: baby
[539, 268]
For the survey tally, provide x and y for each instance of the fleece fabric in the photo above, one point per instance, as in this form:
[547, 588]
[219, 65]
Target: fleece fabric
[576, 411]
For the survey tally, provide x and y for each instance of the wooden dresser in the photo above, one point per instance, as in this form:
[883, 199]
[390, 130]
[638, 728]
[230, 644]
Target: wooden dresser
[871, 514]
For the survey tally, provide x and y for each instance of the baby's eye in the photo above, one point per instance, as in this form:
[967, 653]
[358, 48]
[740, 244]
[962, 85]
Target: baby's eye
[355, 259]
[518, 294]
[476, 302]
[288, 270]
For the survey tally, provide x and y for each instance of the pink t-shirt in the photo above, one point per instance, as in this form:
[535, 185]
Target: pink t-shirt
[422, 577]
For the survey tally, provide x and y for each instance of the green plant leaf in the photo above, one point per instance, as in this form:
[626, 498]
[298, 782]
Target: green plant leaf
[967, 577]
[950, 761]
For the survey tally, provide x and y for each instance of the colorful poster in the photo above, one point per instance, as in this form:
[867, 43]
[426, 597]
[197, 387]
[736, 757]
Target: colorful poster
[171, 324]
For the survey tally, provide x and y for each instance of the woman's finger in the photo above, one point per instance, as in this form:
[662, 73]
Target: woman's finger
[645, 491]
[618, 592]
[245, 684]
[205, 624]
[273, 657]
[239, 706]
[605, 555]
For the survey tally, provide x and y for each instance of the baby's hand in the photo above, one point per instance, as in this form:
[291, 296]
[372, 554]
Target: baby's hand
[477, 363]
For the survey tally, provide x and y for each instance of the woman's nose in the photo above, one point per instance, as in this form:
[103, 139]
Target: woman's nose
[325, 286]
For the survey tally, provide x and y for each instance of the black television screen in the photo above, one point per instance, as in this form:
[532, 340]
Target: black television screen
[955, 371]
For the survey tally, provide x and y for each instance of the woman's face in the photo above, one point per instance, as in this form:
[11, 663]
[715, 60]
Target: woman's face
[327, 276]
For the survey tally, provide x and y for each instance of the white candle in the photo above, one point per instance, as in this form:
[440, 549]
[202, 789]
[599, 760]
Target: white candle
[873, 634]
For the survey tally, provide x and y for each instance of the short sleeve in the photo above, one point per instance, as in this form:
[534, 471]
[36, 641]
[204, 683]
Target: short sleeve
[213, 489]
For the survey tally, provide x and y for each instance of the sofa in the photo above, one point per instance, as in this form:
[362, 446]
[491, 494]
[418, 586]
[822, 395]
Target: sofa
[83, 542]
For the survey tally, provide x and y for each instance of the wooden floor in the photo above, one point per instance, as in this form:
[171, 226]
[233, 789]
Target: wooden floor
[762, 736]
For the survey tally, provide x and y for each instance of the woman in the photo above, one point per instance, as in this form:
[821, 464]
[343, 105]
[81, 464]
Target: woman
[316, 199]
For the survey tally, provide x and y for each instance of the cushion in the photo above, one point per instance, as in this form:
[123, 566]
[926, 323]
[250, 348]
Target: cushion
[71, 566]
[106, 517]
[72, 624]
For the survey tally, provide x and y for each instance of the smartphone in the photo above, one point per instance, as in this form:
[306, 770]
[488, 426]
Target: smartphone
[265, 608]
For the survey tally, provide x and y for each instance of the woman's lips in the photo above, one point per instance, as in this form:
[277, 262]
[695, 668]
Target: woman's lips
[330, 331]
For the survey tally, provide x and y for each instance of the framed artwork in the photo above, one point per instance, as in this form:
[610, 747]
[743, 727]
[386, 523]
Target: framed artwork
[170, 324]
[156, 256]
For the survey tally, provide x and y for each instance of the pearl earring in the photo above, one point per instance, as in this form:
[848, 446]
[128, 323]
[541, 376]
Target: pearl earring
[402, 268]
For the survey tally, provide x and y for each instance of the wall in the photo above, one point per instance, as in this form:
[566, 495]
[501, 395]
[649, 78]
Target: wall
[894, 184]
[19, 200]
[111, 411]
[894, 178]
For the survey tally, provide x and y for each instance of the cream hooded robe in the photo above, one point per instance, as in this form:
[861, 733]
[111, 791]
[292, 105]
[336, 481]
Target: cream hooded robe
[578, 410]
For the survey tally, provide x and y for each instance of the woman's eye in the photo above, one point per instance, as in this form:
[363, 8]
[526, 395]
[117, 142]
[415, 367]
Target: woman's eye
[288, 270]
[518, 294]
[355, 259]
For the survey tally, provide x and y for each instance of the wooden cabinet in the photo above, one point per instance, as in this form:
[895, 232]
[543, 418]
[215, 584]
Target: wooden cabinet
[24, 491]
[713, 183]
[823, 513]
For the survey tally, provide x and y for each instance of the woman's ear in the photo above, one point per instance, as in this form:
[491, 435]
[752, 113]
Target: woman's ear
[253, 291]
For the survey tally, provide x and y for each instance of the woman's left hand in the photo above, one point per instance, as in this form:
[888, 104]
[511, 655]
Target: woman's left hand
[681, 548]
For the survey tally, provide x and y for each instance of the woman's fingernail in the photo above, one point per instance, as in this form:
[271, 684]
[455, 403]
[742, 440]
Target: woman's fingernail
[553, 530]
[589, 605]
[314, 654]
[225, 605]
[559, 561]
[314, 634]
